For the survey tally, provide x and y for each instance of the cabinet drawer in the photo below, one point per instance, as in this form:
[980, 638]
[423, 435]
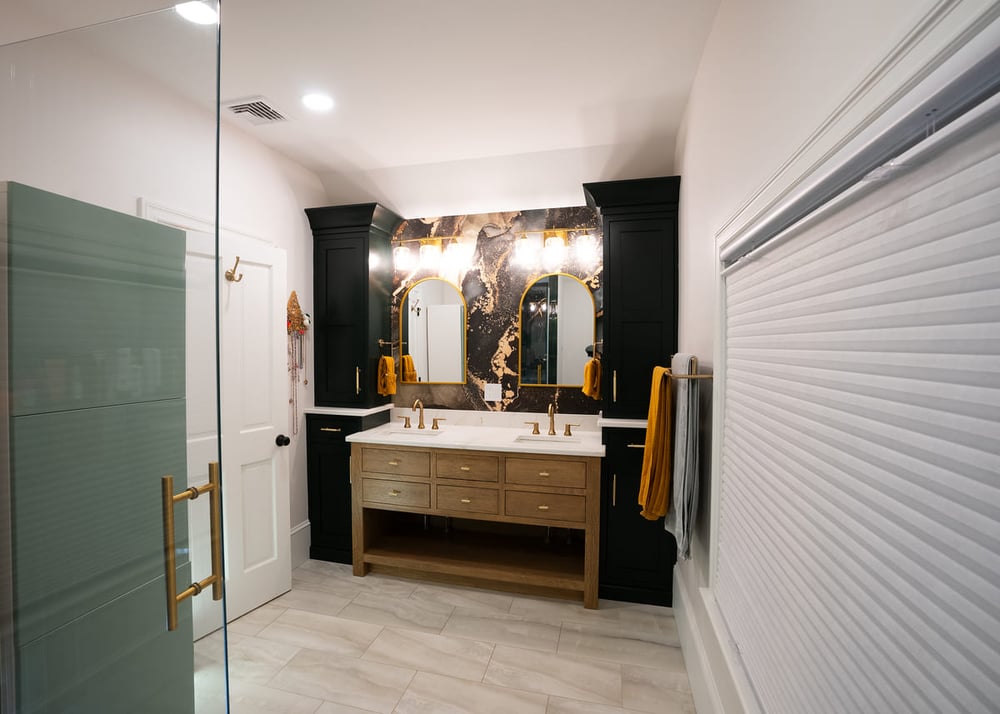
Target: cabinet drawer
[392, 461]
[396, 493]
[547, 472]
[545, 506]
[468, 499]
[472, 467]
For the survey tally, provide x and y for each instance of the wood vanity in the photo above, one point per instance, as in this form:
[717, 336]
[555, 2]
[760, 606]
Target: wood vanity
[496, 494]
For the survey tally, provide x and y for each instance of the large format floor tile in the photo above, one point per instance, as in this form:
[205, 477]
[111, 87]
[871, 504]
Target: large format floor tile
[337, 644]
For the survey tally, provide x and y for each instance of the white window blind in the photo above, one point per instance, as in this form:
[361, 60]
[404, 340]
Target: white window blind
[858, 563]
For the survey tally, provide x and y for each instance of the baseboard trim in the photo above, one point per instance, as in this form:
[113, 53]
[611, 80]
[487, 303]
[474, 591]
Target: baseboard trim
[300, 537]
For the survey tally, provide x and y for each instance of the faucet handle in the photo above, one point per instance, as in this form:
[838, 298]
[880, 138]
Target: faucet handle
[406, 422]
[436, 420]
[534, 427]
[568, 432]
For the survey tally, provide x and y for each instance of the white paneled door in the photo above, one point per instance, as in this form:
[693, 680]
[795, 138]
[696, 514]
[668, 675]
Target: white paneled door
[254, 416]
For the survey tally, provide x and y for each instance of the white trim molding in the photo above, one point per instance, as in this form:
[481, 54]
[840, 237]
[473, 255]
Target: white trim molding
[300, 543]
[947, 28]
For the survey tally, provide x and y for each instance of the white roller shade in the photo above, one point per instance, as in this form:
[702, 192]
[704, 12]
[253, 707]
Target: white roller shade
[858, 563]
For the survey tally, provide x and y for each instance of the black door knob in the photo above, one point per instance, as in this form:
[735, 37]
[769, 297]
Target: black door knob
[282, 440]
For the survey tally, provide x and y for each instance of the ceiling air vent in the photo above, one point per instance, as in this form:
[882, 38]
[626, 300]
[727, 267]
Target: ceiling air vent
[256, 110]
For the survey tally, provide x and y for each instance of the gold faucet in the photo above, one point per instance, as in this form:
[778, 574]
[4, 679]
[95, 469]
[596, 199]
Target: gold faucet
[552, 419]
[419, 404]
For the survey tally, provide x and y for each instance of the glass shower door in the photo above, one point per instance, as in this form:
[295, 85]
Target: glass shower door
[110, 502]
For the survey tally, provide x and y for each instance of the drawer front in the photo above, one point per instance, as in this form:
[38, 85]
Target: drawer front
[467, 499]
[546, 506]
[547, 472]
[323, 429]
[396, 493]
[392, 461]
[472, 467]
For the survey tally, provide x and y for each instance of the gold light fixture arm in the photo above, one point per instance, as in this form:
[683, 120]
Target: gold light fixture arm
[213, 488]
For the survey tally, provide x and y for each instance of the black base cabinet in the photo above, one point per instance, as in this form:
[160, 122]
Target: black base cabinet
[329, 482]
[637, 556]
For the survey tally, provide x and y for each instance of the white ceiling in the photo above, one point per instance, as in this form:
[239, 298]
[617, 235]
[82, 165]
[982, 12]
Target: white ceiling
[453, 90]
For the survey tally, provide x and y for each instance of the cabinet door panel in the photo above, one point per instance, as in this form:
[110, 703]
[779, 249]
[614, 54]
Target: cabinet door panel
[345, 267]
[637, 556]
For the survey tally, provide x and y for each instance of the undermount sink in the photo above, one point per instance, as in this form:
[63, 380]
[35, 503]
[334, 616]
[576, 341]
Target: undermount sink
[415, 432]
[550, 439]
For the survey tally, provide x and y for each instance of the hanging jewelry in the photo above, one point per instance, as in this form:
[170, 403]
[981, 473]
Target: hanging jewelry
[296, 323]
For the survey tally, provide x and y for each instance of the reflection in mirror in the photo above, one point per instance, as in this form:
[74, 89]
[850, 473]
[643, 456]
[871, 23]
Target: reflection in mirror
[432, 329]
[557, 331]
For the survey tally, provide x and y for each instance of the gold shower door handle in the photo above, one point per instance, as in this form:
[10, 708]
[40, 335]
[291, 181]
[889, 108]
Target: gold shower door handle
[170, 499]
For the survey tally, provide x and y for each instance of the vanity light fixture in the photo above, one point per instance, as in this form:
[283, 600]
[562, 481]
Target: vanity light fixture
[317, 102]
[554, 252]
[585, 249]
[527, 248]
[430, 254]
[402, 258]
[200, 13]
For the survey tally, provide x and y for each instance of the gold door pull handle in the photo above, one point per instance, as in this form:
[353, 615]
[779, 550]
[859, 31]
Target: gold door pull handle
[543, 474]
[636, 446]
[330, 428]
[465, 468]
[614, 385]
[543, 507]
[170, 499]
[394, 492]
[466, 500]
[357, 380]
[394, 463]
[231, 275]
[614, 490]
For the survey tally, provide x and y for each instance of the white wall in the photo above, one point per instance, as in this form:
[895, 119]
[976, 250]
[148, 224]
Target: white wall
[780, 85]
[94, 128]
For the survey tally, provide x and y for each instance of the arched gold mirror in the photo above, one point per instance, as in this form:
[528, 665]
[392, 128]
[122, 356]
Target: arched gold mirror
[432, 329]
[556, 326]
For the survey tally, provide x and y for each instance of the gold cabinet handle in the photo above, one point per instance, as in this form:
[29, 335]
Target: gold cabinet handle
[614, 385]
[543, 474]
[466, 500]
[330, 428]
[394, 463]
[614, 489]
[393, 492]
[636, 446]
[213, 487]
[543, 507]
[465, 468]
[357, 380]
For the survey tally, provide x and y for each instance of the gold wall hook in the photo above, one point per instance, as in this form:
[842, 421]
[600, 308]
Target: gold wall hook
[231, 275]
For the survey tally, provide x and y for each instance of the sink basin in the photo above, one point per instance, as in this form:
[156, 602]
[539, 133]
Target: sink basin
[415, 432]
[549, 439]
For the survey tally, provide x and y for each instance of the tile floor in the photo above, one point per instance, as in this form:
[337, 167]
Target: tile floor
[337, 644]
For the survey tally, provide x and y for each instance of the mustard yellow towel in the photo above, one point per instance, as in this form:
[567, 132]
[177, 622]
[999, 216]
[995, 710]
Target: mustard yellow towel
[407, 368]
[386, 376]
[592, 378]
[654, 486]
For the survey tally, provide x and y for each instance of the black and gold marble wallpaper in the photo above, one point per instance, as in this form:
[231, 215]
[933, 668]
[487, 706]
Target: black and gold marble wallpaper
[492, 286]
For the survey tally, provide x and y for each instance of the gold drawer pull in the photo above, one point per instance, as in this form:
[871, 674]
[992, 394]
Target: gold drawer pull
[543, 473]
[637, 446]
[466, 500]
[543, 508]
[394, 463]
[393, 492]
[328, 428]
[465, 468]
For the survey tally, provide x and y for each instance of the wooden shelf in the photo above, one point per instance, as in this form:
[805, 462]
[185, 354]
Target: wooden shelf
[483, 556]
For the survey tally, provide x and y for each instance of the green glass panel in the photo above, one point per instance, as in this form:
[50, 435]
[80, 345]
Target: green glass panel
[117, 659]
[96, 305]
[88, 508]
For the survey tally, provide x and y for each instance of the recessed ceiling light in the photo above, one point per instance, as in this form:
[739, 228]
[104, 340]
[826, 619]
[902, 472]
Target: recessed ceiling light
[318, 102]
[200, 13]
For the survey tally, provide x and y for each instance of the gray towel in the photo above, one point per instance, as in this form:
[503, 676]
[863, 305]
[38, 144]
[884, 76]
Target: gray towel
[684, 493]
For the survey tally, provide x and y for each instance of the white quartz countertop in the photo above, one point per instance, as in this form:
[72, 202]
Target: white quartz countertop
[484, 438]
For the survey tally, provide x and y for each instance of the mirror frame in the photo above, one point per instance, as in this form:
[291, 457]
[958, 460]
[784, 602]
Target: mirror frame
[465, 328]
[520, 328]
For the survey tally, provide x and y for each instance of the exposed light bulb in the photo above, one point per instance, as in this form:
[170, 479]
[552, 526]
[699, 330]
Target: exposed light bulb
[402, 258]
[554, 252]
[430, 256]
[200, 13]
[585, 248]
